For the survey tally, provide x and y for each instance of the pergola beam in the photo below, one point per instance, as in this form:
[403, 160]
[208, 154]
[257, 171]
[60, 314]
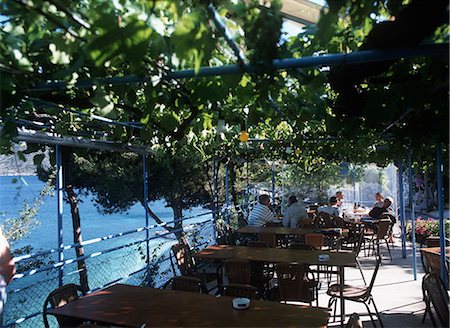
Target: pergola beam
[53, 139]
[357, 57]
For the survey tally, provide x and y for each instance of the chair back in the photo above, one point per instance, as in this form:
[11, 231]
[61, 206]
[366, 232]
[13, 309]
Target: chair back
[374, 276]
[187, 284]
[433, 262]
[183, 259]
[383, 228]
[359, 240]
[292, 282]
[241, 290]
[59, 297]
[326, 220]
[303, 222]
[238, 271]
[438, 296]
[301, 246]
[339, 222]
[258, 243]
[315, 240]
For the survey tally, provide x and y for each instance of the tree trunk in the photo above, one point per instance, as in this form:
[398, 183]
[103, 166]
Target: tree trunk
[77, 237]
[178, 224]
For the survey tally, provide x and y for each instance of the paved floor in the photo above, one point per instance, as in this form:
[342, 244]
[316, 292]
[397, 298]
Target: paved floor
[397, 295]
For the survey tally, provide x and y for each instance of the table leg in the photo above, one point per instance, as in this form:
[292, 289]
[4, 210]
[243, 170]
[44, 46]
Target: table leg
[341, 292]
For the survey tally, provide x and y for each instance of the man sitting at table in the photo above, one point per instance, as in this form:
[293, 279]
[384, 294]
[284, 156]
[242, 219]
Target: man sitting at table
[332, 208]
[385, 211]
[294, 213]
[261, 213]
[340, 198]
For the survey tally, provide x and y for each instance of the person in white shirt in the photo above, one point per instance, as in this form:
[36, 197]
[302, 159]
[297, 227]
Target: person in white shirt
[379, 200]
[261, 213]
[332, 208]
[294, 213]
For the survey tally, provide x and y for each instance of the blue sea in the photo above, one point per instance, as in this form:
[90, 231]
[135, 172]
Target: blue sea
[26, 295]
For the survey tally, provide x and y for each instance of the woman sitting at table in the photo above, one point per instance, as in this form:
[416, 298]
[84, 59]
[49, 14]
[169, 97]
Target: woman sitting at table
[294, 213]
[379, 200]
[384, 211]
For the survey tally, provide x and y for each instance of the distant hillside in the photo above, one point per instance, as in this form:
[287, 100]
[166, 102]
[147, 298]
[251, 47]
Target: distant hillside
[12, 165]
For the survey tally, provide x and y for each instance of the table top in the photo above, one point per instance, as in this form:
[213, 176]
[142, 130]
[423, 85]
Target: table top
[436, 250]
[285, 231]
[276, 255]
[134, 306]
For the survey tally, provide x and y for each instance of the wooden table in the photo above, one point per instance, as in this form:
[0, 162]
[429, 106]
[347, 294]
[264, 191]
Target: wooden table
[133, 306]
[282, 255]
[436, 251]
[285, 231]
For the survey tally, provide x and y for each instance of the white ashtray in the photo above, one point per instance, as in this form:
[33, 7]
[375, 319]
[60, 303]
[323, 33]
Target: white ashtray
[324, 257]
[241, 303]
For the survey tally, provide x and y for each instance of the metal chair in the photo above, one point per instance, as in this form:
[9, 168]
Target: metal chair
[326, 220]
[238, 271]
[382, 233]
[434, 293]
[360, 294]
[59, 297]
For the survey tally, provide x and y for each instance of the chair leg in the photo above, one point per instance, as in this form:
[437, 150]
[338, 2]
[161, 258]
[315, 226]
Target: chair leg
[389, 250]
[360, 270]
[378, 313]
[370, 314]
[330, 304]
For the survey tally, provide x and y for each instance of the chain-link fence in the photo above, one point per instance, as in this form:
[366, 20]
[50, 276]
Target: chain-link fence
[129, 258]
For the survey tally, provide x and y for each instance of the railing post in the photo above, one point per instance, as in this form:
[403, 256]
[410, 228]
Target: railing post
[147, 232]
[440, 193]
[354, 184]
[282, 189]
[215, 197]
[273, 184]
[227, 200]
[247, 189]
[413, 223]
[402, 207]
[59, 202]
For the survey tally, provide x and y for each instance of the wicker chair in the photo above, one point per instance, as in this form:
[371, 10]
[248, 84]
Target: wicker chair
[187, 267]
[314, 239]
[326, 220]
[59, 297]
[360, 294]
[434, 293]
[293, 284]
[241, 290]
[187, 284]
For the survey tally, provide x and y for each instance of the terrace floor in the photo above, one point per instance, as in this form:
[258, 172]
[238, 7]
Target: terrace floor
[397, 295]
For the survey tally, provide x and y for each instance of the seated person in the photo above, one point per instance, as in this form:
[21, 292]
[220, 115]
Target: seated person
[261, 213]
[294, 213]
[340, 198]
[385, 211]
[379, 200]
[332, 208]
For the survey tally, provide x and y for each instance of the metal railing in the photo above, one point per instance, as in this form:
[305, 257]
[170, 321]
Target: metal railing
[124, 259]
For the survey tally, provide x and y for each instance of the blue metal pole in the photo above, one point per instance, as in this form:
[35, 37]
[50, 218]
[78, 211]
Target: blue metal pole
[413, 223]
[247, 189]
[215, 197]
[440, 169]
[358, 57]
[354, 185]
[59, 202]
[282, 189]
[273, 185]
[227, 200]
[147, 232]
[401, 204]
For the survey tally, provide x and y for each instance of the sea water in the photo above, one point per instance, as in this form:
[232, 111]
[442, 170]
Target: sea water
[26, 295]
